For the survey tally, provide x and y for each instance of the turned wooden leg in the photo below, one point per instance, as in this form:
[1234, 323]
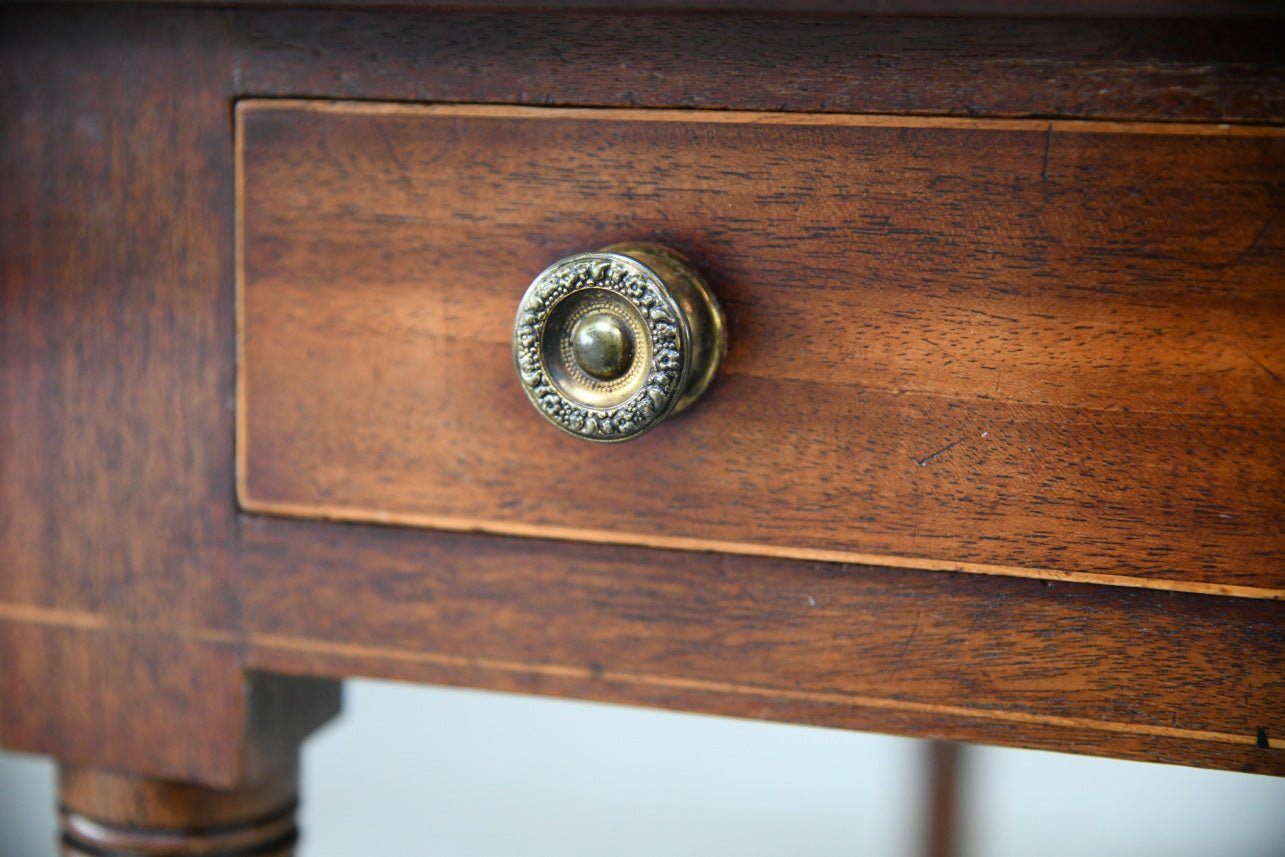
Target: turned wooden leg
[106, 812]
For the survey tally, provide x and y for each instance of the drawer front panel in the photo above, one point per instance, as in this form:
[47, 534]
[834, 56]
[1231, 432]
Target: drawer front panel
[1019, 347]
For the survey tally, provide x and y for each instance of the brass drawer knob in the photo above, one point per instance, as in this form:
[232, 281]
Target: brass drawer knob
[609, 344]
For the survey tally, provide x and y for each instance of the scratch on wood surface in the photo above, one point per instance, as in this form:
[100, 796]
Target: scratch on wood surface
[392, 154]
[1249, 248]
[914, 631]
[330, 153]
[923, 462]
[1244, 334]
[1263, 366]
[1048, 149]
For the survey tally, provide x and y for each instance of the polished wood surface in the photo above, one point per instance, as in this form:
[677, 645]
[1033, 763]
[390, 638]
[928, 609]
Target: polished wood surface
[116, 317]
[1089, 669]
[1040, 349]
[1202, 71]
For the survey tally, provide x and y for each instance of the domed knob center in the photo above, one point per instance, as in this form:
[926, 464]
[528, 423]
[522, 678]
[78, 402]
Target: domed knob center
[602, 346]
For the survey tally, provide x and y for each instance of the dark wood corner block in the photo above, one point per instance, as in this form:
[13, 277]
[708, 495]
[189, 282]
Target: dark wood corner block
[149, 703]
[160, 705]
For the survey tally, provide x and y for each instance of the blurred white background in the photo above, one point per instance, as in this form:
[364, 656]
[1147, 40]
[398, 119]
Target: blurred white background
[411, 770]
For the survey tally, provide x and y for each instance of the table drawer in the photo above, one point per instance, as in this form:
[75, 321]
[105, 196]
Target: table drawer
[1044, 349]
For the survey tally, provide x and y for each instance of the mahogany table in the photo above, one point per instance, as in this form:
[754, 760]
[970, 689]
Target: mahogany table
[995, 453]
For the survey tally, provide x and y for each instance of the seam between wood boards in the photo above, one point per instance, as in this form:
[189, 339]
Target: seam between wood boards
[750, 117]
[84, 620]
[307, 645]
[241, 451]
[684, 543]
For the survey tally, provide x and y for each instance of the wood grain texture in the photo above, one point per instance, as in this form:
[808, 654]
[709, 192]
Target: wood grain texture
[115, 424]
[1023, 348]
[109, 812]
[1099, 670]
[1209, 71]
[118, 607]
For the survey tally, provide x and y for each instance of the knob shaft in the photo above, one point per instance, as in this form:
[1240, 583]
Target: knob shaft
[611, 343]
